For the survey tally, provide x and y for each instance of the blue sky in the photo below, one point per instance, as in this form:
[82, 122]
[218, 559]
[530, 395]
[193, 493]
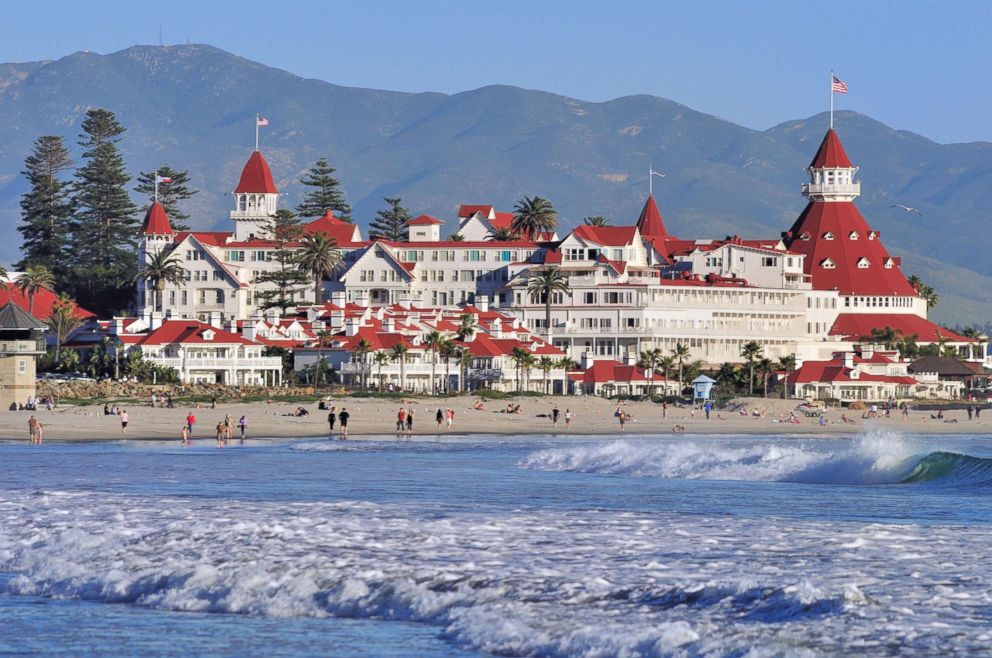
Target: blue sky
[920, 66]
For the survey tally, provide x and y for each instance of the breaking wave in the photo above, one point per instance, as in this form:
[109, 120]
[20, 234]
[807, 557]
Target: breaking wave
[878, 458]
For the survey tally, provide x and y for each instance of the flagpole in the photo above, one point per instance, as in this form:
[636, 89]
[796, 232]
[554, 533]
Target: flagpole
[650, 180]
[256, 129]
[831, 100]
[156, 186]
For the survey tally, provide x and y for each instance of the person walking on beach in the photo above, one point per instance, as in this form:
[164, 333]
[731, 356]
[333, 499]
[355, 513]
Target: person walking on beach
[331, 417]
[450, 417]
[664, 408]
[439, 417]
[568, 418]
[554, 417]
[622, 417]
[343, 418]
[184, 435]
[228, 427]
[243, 425]
[220, 434]
[190, 422]
[124, 421]
[33, 426]
[707, 408]
[409, 420]
[154, 400]
[400, 420]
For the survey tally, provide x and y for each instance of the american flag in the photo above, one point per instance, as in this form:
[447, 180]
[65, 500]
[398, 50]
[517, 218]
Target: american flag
[838, 86]
[262, 121]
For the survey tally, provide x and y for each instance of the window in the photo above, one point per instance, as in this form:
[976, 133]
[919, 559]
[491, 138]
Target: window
[589, 298]
[863, 264]
[828, 236]
[888, 263]
[172, 298]
[804, 237]
[203, 296]
[236, 256]
[853, 235]
[218, 275]
[474, 255]
[828, 264]
[183, 299]
[220, 296]
[713, 261]
[769, 261]
[22, 366]
[872, 235]
[259, 256]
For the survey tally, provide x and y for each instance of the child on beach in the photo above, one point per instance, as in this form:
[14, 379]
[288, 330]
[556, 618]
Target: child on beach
[184, 435]
[409, 420]
[243, 424]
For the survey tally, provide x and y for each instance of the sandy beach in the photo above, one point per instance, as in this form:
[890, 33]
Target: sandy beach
[376, 418]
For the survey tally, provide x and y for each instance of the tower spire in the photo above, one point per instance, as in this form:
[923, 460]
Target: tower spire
[651, 174]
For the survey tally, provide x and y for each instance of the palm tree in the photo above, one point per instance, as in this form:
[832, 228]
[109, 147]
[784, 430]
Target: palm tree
[597, 220]
[751, 351]
[465, 359]
[765, 367]
[546, 364]
[466, 326]
[788, 364]
[681, 354]
[666, 364]
[161, 268]
[399, 354]
[381, 358]
[432, 343]
[545, 283]
[924, 291]
[318, 258]
[33, 280]
[649, 362]
[362, 349]
[528, 362]
[518, 355]
[456, 237]
[533, 216]
[502, 234]
[62, 321]
[322, 337]
[447, 351]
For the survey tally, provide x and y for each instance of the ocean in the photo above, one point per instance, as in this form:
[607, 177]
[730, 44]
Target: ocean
[745, 546]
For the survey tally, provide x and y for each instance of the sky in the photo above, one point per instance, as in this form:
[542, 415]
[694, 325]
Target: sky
[914, 65]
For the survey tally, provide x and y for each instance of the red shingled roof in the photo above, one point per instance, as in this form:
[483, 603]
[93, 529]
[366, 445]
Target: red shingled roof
[831, 152]
[856, 325]
[609, 236]
[256, 177]
[605, 371]
[213, 238]
[156, 221]
[467, 210]
[336, 229]
[650, 223]
[424, 220]
[190, 332]
[837, 239]
[43, 301]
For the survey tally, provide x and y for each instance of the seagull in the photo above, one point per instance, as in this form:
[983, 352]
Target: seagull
[907, 208]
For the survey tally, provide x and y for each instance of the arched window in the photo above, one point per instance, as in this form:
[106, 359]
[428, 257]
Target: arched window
[242, 202]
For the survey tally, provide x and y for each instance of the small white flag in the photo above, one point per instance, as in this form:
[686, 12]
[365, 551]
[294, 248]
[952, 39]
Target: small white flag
[162, 179]
[261, 121]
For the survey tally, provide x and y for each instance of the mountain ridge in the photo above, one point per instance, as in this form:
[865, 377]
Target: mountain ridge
[192, 106]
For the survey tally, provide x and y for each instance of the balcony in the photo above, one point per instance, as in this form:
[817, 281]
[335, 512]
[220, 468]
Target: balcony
[265, 362]
[835, 189]
[22, 347]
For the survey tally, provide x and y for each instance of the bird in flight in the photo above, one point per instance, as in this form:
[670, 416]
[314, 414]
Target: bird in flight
[907, 208]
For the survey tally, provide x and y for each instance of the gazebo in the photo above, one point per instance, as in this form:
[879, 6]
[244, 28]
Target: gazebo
[21, 343]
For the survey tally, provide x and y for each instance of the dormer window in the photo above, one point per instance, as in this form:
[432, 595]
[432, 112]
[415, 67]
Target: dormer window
[872, 235]
[828, 236]
[828, 264]
[208, 335]
[863, 263]
[853, 235]
[889, 263]
[804, 236]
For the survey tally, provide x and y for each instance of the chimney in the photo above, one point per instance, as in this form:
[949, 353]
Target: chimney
[146, 316]
[389, 325]
[337, 320]
[257, 314]
[351, 326]
[312, 313]
[155, 320]
[380, 313]
[231, 325]
[404, 300]
[248, 331]
[848, 358]
[588, 358]
[867, 352]
[496, 328]
[339, 298]
[117, 326]
[482, 303]
[272, 315]
[362, 298]
[215, 320]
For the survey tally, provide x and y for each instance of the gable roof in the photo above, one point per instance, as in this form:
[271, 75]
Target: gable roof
[424, 220]
[942, 365]
[256, 177]
[188, 332]
[467, 210]
[831, 152]
[335, 228]
[156, 221]
[44, 300]
[855, 325]
[607, 236]
[608, 371]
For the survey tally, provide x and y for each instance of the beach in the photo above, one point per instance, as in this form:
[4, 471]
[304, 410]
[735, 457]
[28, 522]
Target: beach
[376, 418]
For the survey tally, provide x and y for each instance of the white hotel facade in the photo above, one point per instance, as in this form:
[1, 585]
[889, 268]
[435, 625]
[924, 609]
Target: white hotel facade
[811, 292]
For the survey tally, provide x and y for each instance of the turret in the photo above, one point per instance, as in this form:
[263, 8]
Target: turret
[255, 198]
[831, 174]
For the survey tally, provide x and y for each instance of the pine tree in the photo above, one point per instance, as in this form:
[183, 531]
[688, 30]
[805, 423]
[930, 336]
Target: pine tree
[104, 241]
[46, 210]
[391, 224]
[169, 194]
[326, 195]
[288, 282]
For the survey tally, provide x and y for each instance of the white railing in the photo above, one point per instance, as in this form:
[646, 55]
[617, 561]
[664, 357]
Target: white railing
[271, 362]
[826, 188]
[21, 346]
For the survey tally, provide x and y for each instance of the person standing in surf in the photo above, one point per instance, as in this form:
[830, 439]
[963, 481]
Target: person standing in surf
[554, 417]
[343, 419]
[331, 417]
[439, 417]
[409, 420]
[243, 425]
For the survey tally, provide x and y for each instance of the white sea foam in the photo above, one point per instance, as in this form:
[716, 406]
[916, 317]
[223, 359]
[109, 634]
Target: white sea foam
[519, 583]
[877, 458]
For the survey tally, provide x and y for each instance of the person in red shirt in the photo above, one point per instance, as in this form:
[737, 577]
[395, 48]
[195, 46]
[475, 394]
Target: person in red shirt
[190, 422]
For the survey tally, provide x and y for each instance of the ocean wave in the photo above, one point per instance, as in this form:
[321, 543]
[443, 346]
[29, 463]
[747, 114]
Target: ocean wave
[524, 583]
[876, 458]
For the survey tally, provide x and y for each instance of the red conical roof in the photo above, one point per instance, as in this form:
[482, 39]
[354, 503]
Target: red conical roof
[844, 254]
[831, 152]
[650, 223]
[156, 221]
[256, 177]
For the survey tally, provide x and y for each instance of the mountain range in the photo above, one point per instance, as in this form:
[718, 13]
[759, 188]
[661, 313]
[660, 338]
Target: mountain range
[193, 107]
